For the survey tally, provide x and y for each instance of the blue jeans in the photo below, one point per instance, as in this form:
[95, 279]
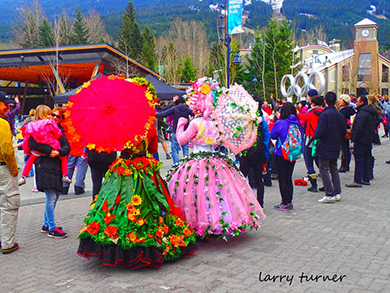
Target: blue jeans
[82, 167]
[309, 160]
[51, 201]
[175, 147]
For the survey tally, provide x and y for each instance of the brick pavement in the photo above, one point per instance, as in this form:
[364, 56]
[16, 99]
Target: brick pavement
[348, 238]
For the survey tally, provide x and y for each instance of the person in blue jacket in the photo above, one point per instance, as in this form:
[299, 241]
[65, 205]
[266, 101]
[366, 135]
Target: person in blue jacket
[256, 156]
[288, 116]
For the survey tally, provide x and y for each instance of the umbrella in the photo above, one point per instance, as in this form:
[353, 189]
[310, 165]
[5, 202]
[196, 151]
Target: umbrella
[236, 117]
[108, 112]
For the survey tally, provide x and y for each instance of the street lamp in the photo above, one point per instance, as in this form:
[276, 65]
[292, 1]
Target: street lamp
[227, 40]
[254, 79]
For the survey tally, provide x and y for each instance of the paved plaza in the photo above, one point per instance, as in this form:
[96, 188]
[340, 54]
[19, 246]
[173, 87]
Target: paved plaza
[347, 243]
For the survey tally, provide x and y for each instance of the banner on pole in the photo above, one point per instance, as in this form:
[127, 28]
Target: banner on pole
[235, 8]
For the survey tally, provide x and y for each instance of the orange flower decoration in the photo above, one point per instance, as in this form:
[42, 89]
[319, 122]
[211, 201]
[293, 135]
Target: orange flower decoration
[205, 89]
[128, 172]
[136, 212]
[111, 231]
[159, 234]
[141, 222]
[136, 200]
[174, 239]
[93, 228]
[165, 229]
[132, 237]
[107, 219]
[105, 206]
[187, 232]
[160, 220]
[118, 199]
[130, 207]
[141, 240]
[131, 217]
[95, 197]
[179, 222]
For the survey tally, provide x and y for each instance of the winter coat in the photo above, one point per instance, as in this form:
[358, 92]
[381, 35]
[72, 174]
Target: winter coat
[310, 120]
[347, 112]
[364, 125]
[280, 130]
[179, 111]
[48, 170]
[331, 130]
[262, 143]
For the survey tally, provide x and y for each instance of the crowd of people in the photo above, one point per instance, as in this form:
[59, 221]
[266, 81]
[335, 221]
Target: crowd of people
[197, 200]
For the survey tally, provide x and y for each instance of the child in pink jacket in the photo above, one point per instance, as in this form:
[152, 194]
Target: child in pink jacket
[44, 131]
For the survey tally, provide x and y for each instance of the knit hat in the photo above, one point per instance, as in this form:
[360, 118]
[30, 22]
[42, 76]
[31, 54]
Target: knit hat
[345, 98]
[312, 93]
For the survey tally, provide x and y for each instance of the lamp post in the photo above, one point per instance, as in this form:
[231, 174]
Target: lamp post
[254, 79]
[227, 40]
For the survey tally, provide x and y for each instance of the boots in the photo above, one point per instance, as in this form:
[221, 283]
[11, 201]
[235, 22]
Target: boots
[313, 182]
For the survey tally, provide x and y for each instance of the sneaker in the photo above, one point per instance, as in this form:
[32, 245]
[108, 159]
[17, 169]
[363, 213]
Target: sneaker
[168, 157]
[12, 249]
[327, 199]
[354, 185]
[35, 190]
[337, 197]
[366, 182]
[57, 233]
[321, 188]
[22, 181]
[45, 229]
[387, 162]
[66, 179]
[284, 207]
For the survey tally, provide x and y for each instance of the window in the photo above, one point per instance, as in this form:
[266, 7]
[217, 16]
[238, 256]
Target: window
[385, 92]
[364, 70]
[385, 73]
[345, 72]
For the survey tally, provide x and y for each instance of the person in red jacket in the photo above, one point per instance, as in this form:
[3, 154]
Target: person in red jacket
[309, 120]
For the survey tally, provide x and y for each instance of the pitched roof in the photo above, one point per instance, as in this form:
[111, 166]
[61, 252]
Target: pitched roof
[366, 22]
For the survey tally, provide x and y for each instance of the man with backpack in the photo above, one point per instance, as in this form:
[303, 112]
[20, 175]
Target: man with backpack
[330, 132]
[310, 120]
[256, 156]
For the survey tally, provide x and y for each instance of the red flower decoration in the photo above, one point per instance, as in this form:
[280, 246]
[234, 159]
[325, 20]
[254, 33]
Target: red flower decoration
[120, 170]
[107, 219]
[149, 235]
[187, 232]
[93, 228]
[105, 206]
[111, 231]
[159, 234]
[165, 229]
[118, 199]
[179, 222]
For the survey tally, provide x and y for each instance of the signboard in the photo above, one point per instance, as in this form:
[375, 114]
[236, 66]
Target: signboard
[235, 8]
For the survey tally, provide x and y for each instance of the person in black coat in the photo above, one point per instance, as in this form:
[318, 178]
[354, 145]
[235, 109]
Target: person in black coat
[49, 180]
[331, 129]
[347, 111]
[180, 110]
[362, 135]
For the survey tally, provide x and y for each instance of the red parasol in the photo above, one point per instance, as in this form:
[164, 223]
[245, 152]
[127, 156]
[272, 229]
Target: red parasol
[108, 112]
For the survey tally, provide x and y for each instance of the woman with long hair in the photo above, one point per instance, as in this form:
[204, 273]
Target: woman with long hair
[287, 122]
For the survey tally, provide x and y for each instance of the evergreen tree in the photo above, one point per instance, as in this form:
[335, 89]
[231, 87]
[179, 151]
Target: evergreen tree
[30, 36]
[272, 56]
[130, 38]
[149, 50]
[80, 32]
[62, 31]
[189, 72]
[45, 37]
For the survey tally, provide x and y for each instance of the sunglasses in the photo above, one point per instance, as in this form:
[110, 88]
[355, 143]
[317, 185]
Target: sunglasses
[56, 116]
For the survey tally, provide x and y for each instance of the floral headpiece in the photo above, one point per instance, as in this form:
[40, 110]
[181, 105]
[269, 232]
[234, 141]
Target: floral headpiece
[202, 95]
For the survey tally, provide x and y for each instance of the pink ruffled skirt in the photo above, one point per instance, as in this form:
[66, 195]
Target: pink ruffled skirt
[213, 195]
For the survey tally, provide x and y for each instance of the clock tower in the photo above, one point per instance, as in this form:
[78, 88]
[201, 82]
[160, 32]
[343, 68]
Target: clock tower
[366, 50]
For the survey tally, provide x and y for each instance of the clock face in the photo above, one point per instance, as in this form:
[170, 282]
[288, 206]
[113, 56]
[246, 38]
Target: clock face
[365, 33]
